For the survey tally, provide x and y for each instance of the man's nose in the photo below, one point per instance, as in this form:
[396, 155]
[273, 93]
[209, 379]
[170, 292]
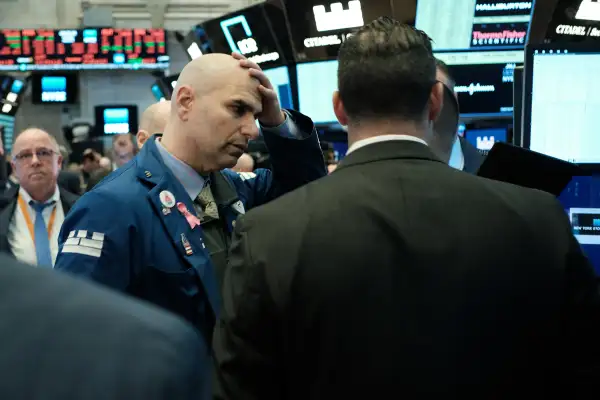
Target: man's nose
[250, 129]
[35, 159]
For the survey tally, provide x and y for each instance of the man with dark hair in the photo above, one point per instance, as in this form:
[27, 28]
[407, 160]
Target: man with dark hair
[401, 276]
[446, 144]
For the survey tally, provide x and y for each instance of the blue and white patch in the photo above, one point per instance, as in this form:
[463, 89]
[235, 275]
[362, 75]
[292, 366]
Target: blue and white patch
[239, 207]
[84, 242]
[246, 176]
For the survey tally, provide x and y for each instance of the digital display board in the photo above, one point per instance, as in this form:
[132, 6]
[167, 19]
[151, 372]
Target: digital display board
[258, 32]
[54, 88]
[8, 126]
[485, 89]
[116, 119]
[319, 27]
[73, 49]
[280, 79]
[316, 83]
[484, 139]
[574, 21]
[561, 103]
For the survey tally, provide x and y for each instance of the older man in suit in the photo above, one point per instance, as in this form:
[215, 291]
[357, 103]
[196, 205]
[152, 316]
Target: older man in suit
[65, 339]
[35, 210]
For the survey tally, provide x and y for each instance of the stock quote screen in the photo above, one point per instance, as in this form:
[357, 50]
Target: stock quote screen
[482, 41]
[82, 49]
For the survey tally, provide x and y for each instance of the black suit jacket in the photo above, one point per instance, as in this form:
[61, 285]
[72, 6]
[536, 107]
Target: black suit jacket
[8, 204]
[399, 276]
[473, 157]
[65, 339]
[70, 181]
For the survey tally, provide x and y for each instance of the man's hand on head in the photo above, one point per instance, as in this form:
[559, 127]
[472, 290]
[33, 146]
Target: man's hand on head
[271, 114]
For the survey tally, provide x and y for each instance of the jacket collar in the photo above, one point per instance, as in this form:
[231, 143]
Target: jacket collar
[388, 150]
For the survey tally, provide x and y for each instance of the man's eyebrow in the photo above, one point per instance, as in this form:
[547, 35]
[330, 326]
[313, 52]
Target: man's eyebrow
[248, 105]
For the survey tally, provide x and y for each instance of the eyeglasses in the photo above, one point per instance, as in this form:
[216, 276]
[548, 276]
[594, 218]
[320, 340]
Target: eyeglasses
[41, 154]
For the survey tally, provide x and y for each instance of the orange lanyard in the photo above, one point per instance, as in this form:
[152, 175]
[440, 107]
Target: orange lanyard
[23, 207]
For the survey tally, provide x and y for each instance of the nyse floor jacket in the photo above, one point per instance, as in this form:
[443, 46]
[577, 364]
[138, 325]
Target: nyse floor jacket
[121, 234]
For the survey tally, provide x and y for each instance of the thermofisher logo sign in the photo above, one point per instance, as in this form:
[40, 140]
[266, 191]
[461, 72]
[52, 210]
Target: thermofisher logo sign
[338, 18]
[247, 45]
[589, 10]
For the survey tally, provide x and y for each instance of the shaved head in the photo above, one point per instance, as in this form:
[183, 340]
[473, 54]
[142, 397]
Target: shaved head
[154, 120]
[213, 112]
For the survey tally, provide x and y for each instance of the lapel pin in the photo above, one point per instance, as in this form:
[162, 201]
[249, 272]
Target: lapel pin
[238, 206]
[166, 211]
[191, 219]
[186, 245]
[167, 199]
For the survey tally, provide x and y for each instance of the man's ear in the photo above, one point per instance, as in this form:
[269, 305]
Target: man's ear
[436, 101]
[141, 138]
[339, 110]
[184, 100]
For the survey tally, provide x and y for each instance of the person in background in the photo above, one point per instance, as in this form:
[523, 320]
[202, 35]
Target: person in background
[71, 181]
[154, 120]
[399, 276]
[90, 162]
[31, 222]
[446, 143]
[244, 164]
[123, 150]
[66, 339]
[105, 163]
[139, 232]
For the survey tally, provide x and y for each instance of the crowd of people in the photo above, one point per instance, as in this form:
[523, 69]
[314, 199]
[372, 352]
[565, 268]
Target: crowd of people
[184, 272]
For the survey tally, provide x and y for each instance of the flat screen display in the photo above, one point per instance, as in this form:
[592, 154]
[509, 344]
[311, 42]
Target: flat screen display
[116, 120]
[80, 49]
[562, 104]
[8, 127]
[574, 21]
[485, 89]
[280, 79]
[259, 32]
[581, 200]
[316, 83]
[484, 139]
[60, 88]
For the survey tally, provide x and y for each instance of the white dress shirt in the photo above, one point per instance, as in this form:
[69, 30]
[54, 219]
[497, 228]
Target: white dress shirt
[383, 138]
[19, 238]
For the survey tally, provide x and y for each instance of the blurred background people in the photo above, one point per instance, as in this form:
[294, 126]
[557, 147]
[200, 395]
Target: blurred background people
[123, 150]
[31, 221]
[154, 119]
[244, 164]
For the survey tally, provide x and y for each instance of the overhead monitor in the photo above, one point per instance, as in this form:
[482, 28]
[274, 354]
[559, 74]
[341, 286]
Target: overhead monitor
[573, 21]
[258, 32]
[316, 83]
[54, 88]
[581, 200]
[83, 49]
[158, 93]
[280, 79]
[562, 102]
[319, 27]
[116, 119]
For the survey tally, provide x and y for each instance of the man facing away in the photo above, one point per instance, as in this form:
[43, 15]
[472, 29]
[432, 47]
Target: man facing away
[159, 227]
[154, 120]
[400, 276]
[31, 222]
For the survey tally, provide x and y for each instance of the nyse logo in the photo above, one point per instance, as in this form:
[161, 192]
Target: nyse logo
[338, 18]
[244, 46]
[485, 143]
[589, 10]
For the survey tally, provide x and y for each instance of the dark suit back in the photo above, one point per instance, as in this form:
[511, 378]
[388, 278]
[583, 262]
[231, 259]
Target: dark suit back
[8, 204]
[400, 276]
[64, 339]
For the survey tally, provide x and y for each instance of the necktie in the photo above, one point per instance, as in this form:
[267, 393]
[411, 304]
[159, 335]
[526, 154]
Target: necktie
[207, 202]
[40, 232]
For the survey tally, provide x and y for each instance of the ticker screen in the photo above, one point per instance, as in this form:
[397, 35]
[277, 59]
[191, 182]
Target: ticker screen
[574, 21]
[81, 49]
[251, 32]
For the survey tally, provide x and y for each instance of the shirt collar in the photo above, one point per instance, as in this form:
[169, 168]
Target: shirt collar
[457, 158]
[27, 198]
[383, 138]
[191, 181]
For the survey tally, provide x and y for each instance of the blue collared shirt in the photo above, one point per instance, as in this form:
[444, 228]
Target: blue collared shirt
[193, 182]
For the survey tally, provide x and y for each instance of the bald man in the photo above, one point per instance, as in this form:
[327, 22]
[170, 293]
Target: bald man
[30, 224]
[154, 120]
[244, 164]
[159, 228]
